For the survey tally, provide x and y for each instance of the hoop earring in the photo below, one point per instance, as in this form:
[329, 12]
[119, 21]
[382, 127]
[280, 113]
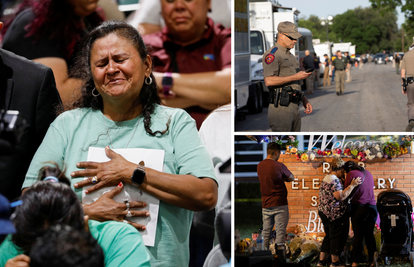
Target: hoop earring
[93, 93]
[148, 82]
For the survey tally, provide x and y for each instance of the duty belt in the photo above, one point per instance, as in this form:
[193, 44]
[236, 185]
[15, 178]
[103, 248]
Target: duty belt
[284, 96]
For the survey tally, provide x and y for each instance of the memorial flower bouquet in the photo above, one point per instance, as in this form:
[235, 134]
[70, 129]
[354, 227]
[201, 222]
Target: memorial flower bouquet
[407, 140]
[361, 156]
[291, 141]
[391, 149]
[347, 152]
[302, 156]
[336, 152]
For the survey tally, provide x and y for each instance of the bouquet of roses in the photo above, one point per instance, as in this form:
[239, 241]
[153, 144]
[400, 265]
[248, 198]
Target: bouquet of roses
[361, 156]
[302, 156]
[336, 151]
[326, 153]
[347, 152]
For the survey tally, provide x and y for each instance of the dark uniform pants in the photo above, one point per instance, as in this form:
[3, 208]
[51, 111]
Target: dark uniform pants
[284, 119]
[310, 84]
[340, 81]
[410, 103]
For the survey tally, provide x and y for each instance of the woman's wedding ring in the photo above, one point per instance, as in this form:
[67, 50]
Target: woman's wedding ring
[127, 205]
[129, 214]
[125, 221]
[94, 179]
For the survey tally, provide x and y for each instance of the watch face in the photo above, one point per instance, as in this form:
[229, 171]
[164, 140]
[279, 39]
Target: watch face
[138, 176]
[167, 81]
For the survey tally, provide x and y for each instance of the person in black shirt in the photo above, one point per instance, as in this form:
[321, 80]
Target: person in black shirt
[309, 64]
[397, 62]
[348, 74]
[317, 64]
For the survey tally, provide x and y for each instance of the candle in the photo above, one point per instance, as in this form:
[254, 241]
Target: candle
[412, 147]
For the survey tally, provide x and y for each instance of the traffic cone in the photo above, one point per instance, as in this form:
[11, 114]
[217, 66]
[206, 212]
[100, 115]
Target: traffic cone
[356, 63]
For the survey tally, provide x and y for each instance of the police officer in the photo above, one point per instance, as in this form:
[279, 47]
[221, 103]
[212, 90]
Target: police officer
[407, 70]
[282, 76]
[341, 66]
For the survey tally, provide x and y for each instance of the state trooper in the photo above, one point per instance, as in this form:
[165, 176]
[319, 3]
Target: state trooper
[282, 76]
[407, 74]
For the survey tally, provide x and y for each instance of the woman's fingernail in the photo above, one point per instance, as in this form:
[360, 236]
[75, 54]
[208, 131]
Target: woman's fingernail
[144, 228]
[107, 147]
[72, 174]
[147, 214]
[144, 205]
[86, 191]
[77, 164]
[120, 184]
[75, 185]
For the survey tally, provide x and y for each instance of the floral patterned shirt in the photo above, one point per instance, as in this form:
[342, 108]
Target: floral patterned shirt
[328, 204]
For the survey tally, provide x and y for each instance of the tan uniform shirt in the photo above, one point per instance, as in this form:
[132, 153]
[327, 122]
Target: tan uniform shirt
[278, 61]
[407, 63]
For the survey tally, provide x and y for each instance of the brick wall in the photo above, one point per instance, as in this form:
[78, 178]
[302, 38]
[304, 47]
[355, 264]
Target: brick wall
[300, 200]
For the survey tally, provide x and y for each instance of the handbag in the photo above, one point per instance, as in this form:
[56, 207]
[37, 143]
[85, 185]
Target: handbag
[347, 201]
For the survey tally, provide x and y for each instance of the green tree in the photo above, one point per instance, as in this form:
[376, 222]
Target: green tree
[407, 7]
[365, 27]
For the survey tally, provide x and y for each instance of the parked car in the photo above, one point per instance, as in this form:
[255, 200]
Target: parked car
[380, 58]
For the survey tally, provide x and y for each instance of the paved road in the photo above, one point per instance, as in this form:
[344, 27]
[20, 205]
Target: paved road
[372, 102]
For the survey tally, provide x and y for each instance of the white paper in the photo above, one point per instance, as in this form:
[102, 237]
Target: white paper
[153, 159]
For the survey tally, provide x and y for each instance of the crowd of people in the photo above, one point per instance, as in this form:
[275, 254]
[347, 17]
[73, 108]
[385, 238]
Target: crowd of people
[79, 81]
[346, 193]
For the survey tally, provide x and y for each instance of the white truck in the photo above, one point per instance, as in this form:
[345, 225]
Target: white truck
[322, 49]
[242, 80]
[345, 47]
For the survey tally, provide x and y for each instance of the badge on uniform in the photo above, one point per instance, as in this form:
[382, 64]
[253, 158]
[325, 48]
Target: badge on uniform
[269, 58]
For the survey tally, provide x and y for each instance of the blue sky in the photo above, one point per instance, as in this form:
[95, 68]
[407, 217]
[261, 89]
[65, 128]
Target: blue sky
[324, 8]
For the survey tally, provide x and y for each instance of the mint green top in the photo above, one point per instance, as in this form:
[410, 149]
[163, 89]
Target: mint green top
[121, 243]
[73, 132]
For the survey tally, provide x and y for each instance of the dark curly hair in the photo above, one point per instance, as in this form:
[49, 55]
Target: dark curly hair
[56, 20]
[351, 165]
[44, 204]
[64, 246]
[148, 96]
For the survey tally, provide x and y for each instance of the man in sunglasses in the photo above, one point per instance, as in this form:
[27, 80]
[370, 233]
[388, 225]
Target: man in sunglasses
[282, 76]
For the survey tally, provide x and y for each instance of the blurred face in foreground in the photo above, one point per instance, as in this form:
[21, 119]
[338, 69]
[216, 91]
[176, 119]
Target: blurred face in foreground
[185, 19]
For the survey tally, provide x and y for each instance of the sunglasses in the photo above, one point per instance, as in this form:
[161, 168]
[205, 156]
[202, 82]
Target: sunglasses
[292, 39]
